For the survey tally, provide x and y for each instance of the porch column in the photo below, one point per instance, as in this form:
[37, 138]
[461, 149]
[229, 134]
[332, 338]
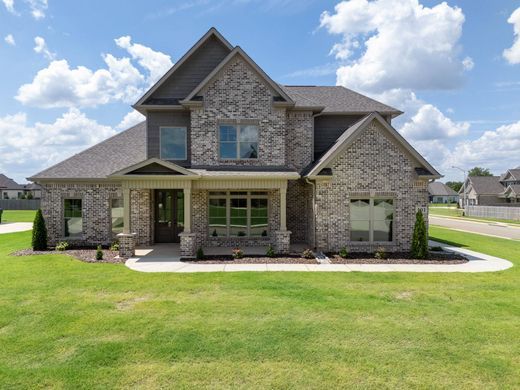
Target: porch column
[283, 207]
[126, 210]
[187, 210]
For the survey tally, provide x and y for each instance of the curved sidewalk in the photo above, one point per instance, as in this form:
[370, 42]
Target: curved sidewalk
[13, 227]
[478, 262]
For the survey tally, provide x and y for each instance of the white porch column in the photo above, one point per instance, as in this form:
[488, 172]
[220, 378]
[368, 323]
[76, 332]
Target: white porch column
[283, 207]
[187, 210]
[126, 210]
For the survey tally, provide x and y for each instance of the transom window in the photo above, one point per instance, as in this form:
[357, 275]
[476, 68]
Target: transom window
[238, 142]
[73, 218]
[238, 214]
[371, 220]
[173, 143]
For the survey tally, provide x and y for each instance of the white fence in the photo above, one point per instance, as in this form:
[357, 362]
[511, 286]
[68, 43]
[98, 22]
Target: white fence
[497, 212]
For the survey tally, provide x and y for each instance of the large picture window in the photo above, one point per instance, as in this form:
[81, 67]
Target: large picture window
[116, 212]
[238, 142]
[173, 143]
[73, 215]
[371, 220]
[238, 214]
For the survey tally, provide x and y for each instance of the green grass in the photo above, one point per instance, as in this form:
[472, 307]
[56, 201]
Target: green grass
[18, 216]
[71, 325]
[447, 212]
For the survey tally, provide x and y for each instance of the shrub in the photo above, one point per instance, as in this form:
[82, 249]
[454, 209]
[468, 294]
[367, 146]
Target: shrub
[308, 254]
[214, 234]
[380, 253]
[29, 196]
[420, 237]
[237, 253]
[99, 253]
[115, 246]
[200, 254]
[62, 246]
[1, 212]
[270, 251]
[39, 233]
[343, 252]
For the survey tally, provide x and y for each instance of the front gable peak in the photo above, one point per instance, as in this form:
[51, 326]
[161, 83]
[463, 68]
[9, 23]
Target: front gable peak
[154, 167]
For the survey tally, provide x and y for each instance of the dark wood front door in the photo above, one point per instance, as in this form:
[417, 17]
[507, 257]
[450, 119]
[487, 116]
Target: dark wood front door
[169, 215]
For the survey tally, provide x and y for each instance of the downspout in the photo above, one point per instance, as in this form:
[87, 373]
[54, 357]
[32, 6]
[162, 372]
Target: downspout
[313, 185]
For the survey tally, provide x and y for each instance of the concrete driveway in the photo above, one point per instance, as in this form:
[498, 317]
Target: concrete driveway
[13, 227]
[493, 229]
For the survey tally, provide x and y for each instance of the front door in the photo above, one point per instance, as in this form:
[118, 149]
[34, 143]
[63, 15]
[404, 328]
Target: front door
[169, 215]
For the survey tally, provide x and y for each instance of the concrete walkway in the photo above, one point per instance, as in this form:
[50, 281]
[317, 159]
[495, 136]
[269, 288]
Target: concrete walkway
[493, 229]
[13, 227]
[162, 261]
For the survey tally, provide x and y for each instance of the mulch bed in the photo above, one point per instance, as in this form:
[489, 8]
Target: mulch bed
[288, 259]
[86, 255]
[399, 258]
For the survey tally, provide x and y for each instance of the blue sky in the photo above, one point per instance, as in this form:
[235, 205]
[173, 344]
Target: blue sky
[67, 83]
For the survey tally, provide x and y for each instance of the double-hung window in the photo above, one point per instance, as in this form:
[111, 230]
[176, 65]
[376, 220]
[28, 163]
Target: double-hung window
[371, 219]
[73, 218]
[238, 214]
[173, 143]
[116, 213]
[238, 142]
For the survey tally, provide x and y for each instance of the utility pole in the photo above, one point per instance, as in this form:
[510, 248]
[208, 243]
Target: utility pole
[464, 199]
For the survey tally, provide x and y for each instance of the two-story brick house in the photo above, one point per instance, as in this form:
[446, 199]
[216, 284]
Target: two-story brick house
[228, 157]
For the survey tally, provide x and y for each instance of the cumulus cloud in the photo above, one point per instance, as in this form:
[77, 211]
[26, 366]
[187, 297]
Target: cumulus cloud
[38, 8]
[60, 85]
[512, 55]
[9, 39]
[430, 123]
[155, 62]
[9, 6]
[403, 44]
[26, 148]
[132, 118]
[41, 48]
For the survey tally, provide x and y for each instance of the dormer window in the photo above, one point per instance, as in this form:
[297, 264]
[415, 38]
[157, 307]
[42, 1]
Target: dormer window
[238, 142]
[173, 143]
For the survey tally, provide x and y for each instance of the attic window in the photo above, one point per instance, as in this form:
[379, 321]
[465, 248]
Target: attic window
[173, 143]
[238, 142]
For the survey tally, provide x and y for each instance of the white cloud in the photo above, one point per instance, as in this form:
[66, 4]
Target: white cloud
[132, 118]
[9, 39]
[155, 62]
[9, 6]
[406, 45]
[512, 55]
[38, 8]
[26, 149]
[41, 48]
[59, 85]
[430, 123]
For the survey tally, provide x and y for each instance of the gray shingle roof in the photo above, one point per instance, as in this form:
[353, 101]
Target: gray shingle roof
[515, 173]
[440, 189]
[8, 183]
[336, 99]
[487, 185]
[99, 161]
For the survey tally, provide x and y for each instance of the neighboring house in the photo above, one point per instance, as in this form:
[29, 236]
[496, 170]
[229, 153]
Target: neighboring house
[228, 157]
[34, 189]
[482, 190]
[9, 189]
[441, 193]
[511, 182]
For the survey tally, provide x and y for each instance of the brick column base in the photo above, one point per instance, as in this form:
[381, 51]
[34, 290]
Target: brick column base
[282, 241]
[126, 244]
[188, 244]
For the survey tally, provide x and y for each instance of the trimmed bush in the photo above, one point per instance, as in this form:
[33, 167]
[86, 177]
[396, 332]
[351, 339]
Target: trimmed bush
[380, 253]
[1, 212]
[343, 252]
[99, 253]
[307, 254]
[420, 237]
[200, 254]
[62, 246]
[115, 246]
[39, 233]
[237, 253]
[270, 251]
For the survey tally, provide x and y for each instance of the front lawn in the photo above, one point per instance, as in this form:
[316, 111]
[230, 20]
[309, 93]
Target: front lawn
[68, 324]
[18, 216]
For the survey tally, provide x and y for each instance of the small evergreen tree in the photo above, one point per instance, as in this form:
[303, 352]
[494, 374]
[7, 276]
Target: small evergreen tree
[39, 233]
[420, 237]
[99, 253]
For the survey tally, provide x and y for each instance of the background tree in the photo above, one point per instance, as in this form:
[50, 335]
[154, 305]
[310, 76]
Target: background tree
[454, 185]
[478, 171]
[39, 233]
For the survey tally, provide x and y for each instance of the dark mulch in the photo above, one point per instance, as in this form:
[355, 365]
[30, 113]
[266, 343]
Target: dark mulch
[82, 254]
[287, 259]
[399, 258]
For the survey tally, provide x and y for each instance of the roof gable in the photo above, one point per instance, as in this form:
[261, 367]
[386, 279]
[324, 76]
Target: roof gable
[351, 134]
[8, 183]
[486, 185]
[440, 189]
[237, 51]
[191, 68]
[153, 167]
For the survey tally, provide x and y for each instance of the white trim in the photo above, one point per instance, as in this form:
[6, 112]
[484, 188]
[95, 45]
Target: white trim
[185, 143]
[371, 220]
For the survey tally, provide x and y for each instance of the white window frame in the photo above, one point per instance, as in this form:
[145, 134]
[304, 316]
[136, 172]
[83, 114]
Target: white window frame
[371, 219]
[228, 196]
[185, 143]
[238, 129]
